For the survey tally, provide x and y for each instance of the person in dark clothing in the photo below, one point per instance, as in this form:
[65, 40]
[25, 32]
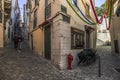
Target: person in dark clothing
[15, 42]
[118, 11]
[19, 39]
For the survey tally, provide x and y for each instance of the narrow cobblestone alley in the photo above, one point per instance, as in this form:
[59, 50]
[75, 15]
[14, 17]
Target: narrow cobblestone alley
[28, 66]
[57, 39]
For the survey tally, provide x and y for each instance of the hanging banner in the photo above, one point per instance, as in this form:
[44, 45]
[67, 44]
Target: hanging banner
[87, 11]
[110, 14]
[93, 8]
[77, 13]
[76, 5]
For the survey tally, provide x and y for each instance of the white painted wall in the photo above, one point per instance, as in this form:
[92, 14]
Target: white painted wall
[102, 37]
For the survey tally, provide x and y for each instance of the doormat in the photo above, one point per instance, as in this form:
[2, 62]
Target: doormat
[117, 69]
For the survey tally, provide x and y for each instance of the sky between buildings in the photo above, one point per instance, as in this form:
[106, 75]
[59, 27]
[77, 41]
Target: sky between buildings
[21, 2]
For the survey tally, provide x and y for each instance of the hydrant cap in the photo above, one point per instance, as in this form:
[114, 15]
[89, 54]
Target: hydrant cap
[70, 56]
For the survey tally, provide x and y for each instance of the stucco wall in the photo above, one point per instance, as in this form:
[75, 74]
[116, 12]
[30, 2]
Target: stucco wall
[115, 31]
[37, 34]
[1, 36]
[115, 27]
[40, 12]
[38, 41]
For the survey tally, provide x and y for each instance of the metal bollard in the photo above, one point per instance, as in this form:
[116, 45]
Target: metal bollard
[99, 67]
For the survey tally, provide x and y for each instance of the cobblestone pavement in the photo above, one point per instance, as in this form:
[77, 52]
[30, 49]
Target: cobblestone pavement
[28, 66]
[109, 61]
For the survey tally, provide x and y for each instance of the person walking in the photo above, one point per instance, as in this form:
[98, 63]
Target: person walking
[19, 43]
[15, 42]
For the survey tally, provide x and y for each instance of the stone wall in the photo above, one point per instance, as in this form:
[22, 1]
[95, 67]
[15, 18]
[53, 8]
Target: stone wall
[55, 41]
[61, 43]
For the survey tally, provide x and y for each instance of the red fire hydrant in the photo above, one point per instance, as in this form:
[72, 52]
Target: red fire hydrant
[70, 59]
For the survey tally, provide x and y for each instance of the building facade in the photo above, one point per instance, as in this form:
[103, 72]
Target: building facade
[55, 31]
[1, 36]
[5, 9]
[25, 20]
[1, 23]
[15, 19]
[115, 29]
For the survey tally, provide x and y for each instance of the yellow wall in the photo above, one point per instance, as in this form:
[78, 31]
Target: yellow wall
[1, 36]
[38, 41]
[37, 34]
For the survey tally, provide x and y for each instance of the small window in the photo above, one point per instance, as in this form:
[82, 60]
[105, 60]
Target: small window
[48, 11]
[99, 31]
[36, 1]
[35, 19]
[63, 9]
[77, 38]
[66, 18]
[104, 31]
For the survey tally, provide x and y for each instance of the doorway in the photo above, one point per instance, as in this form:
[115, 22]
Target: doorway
[47, 42]
[88, 32]
[87, 38]
[116, 46]
[32, 42]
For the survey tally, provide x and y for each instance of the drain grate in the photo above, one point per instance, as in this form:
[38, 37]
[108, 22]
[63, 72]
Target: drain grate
[117, 69]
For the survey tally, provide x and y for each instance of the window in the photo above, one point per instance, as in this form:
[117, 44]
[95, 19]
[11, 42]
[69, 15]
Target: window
[77, 38]
[63, 9]
[66, 18]
[99, 31]
[48, 11]
[36, 1]
[104, 31]
[35, 19]
[29, 5]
